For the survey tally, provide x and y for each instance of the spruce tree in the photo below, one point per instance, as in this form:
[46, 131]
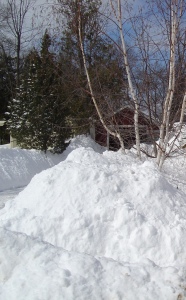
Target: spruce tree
[6, 82]
[36, 120]
[7, 85]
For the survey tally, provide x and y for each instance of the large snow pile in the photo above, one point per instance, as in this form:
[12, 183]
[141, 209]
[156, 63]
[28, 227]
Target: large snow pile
[95, 226]
[18, 166]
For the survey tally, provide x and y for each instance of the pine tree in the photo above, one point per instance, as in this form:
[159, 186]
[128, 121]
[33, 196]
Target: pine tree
[21, 105]
[7, 85]
[36, 118]
[7, 82]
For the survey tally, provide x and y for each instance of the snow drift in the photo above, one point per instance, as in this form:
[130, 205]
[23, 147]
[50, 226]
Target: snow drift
[103, 205]
[104, 225]
[18, 166]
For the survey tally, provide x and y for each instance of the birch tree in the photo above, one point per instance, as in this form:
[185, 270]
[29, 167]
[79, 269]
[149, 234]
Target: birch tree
[176, 12]
[118, 15]
[167, 22]
[93, 57]
[115, 132]
[160, 90]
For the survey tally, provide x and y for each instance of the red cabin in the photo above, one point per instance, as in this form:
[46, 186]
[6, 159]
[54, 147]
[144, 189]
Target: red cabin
[123, 120]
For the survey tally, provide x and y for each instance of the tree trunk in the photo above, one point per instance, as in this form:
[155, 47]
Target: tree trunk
[131, 88]
[108, 130]
[165, 127]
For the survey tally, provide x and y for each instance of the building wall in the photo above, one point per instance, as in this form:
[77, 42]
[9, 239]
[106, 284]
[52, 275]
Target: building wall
[125, 119]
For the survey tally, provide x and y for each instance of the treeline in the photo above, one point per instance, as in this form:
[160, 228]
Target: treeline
[45, 97]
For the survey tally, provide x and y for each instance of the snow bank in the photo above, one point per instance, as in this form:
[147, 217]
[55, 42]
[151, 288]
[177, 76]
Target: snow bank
[32, 270]
[18, 166]
[95, 226]
[107, 205]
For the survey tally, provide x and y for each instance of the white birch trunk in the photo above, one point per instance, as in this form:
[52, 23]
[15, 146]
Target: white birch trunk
[131, 88]
[115, 134]
[180, 123]
[165, 128]
[183, 110]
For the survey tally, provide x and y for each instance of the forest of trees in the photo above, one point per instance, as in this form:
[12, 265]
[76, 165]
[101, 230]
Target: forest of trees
[46, 100]
[99, 61]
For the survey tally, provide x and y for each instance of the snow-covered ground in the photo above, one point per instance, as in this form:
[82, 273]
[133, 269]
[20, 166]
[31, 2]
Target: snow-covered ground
[18, 166]
[98, 225]
[8, 195]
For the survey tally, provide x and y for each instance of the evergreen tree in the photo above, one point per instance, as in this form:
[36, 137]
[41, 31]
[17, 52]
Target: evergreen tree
[36, 120]
[7, 82]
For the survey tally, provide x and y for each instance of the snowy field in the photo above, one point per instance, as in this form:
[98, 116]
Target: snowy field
[94, 225]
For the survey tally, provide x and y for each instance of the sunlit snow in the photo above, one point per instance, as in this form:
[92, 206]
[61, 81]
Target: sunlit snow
[98, 225]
